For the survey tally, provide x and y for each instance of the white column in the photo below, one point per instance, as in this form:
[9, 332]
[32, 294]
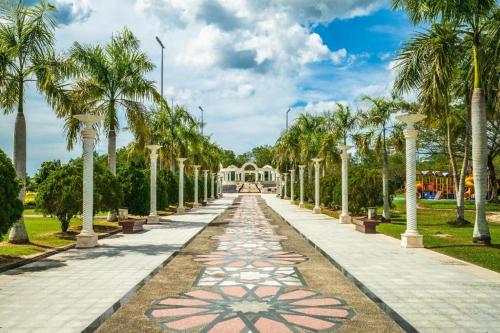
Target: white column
[317, 208]
[153, 214]
[87, 238]
[285, 179]
[278, 185]
[181, 209]
[411, 237]
[205, 187]
[345, 218]
[212, 186]
[292, 180]
[196, 172]
[220, 186]
[301, 180]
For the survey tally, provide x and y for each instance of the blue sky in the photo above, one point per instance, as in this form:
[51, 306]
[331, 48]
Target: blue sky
[246, 62]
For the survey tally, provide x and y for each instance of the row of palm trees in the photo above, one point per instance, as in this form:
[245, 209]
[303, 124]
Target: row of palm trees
[108, 80]
[453, 65]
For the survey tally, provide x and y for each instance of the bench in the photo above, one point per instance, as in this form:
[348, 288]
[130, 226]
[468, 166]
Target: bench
[366, 226]
[131, 226]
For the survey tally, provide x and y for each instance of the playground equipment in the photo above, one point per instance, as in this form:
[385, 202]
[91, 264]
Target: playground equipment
[435, 185]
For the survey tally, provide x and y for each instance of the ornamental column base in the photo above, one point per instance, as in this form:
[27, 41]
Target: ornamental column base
[317, 210]
[286, 197]
[301, 205]
[153, 219]
[345, 219]
[181, 210]
[196, 205]
[86, 240]
[412, 240]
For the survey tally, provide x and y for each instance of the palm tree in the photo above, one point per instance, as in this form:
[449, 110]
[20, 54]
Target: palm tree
[26, 55]
[430, 62]
[472, 18]
[378, 119]
[110, 79]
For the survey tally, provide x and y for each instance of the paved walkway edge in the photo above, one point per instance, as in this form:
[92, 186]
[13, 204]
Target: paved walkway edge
[124, 300]
[404, 324]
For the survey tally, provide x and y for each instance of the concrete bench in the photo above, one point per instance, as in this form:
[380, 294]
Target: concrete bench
[131, 226]
[366, 226]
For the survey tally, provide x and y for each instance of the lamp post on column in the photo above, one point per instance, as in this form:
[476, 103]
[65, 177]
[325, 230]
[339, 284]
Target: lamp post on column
[317, 208]
[292, 180]
[181, 209]
[161, 79]
[301, 180]
[344, 217]
[153, 214]
[196, 172]
[411, 237]
[87, 238]
[212, 186]
[285, 179]
[205, 186]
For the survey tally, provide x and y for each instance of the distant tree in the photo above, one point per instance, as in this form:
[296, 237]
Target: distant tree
[262, 155]
[46, 168]
[11, 208]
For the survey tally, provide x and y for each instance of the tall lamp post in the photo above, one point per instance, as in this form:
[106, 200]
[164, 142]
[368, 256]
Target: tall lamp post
[162, 48]
[201, 109]
[287, 112]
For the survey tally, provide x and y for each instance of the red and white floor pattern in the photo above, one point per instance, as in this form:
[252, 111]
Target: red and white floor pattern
[250, 285]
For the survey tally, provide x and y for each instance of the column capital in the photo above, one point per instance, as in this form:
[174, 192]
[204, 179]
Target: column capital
[88, 119]
[153, 148]
[317, 160]
[196, 167]
[301, 167]
[89, 133]
[411, 133]
[292, 172]
[410, 119]
[206, 172]
[181, 160]
[345, 148]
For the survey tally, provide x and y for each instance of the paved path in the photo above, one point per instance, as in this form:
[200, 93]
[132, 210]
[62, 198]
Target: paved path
[250, 284]
[77, 289]
[419, 288]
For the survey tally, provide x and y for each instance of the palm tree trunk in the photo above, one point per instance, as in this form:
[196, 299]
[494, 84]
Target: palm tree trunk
[493, 180]
[385, 182]
[479, 161]
[112, 164]
[18, 233]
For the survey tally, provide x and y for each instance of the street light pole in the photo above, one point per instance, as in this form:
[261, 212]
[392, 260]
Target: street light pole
[201, 109]
[162, 48]
[287, 112]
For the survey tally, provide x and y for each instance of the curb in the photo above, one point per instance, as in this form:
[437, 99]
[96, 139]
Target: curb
[403, 323]
[50, 253]
[125, 298]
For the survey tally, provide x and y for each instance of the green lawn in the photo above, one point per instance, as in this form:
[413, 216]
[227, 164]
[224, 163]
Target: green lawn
[44, 234]
[441, 237]
[451, 204]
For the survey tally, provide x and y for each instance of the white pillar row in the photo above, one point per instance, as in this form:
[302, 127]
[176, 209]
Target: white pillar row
[87, 238]
[196, 173]
[345, 218]
[153, 214]
[292, 180]
[180, 208]
[285, 179]
[411, 238]
[317, 207]
[205, 186]
[212, 186]
[301, 180]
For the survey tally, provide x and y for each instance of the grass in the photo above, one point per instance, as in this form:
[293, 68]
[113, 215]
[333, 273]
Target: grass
[45, 234]
[441, 237]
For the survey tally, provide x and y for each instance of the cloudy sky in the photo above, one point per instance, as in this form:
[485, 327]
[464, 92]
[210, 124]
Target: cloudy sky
[245, 61]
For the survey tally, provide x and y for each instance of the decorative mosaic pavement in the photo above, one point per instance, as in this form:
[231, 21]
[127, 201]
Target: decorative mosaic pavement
[250, 284]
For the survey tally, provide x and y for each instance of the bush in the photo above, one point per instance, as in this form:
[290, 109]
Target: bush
[61, 193]
[170, 181]
[11, 208]
[135, 183]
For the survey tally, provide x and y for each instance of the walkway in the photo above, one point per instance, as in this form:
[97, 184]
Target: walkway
[77, 289]
[419, 288]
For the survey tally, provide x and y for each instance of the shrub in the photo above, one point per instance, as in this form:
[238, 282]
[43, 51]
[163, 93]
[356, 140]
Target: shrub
[135, 183]
[171, 186]
[61, 193]
[11, 208]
